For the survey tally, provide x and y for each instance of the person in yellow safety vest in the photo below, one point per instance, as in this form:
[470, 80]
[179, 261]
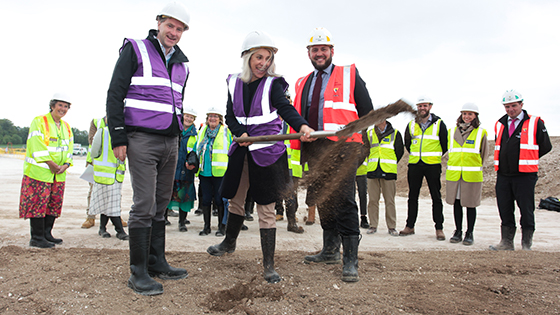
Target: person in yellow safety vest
[95, 124]
[521, 140]
[184, 193]
[49, 154]
[361, 183]
[386, 150]
[425, 139]
[108, 174]
[214, 141]
[467, 150]
[291, 199]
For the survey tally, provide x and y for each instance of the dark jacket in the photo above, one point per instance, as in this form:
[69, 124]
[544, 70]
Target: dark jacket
[399, 151]
[126, 66]
[442, 136]
[509, 147]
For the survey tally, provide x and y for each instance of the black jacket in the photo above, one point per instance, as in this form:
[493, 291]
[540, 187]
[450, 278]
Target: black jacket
[126, 66]
[442, 136]
[509, 147]
[399, 151]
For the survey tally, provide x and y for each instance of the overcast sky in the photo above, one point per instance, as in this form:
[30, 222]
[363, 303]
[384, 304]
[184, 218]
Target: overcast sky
[453, 51]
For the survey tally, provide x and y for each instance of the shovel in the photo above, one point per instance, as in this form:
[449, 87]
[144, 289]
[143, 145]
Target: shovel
[372, 118]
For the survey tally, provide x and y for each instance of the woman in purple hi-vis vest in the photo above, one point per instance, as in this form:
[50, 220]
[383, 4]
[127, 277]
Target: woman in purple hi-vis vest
[255, 102]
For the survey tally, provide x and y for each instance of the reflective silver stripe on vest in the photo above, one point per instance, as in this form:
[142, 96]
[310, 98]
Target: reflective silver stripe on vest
[32, 161]
[36, 133]
[146, 105]
[530, 138]
[476, 148]
[106, 144]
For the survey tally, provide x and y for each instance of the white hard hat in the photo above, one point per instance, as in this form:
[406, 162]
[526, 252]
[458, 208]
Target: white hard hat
[257, 39]
[424, 99]
[470, 107]
[214, 110]
[60, 96]
[190, 111]
[177, 11]
[511, 96]
[320, 36]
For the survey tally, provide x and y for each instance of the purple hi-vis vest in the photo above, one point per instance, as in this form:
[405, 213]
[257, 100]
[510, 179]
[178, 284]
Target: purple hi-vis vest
[153, 97]
[262, 119]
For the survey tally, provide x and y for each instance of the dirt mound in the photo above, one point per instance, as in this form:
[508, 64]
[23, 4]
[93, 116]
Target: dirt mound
[547, 185]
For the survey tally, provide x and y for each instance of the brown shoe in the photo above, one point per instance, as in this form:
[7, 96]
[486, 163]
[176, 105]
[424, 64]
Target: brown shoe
[124, 224]
[88, 223]
[407, 231]
[439, 235]
[279, 217]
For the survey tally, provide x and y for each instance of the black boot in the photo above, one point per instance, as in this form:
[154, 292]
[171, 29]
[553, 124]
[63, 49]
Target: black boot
[249, 204]
[121, 234]
[527, 239]
[469, 239]
[330, 254]
[167, 222]
[207, 217]
[221, 227]
[157, 264]
[457, 237]
[103, 227]
[38, 233]
[182, 219]
[268, 245]
[234, 224]
[364, 224]
[508, 233]
[350, 257]
[291, 209]
[49, 223]
[139, 280]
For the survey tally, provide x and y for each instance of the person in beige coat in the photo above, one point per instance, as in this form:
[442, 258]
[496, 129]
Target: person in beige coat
[468, 148]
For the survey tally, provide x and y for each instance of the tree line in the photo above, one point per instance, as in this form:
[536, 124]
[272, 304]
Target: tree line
[18, 135]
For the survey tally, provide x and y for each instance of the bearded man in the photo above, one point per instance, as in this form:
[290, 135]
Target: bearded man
[425, 139]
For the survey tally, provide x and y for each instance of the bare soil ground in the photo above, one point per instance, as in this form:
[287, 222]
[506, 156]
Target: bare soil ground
[398, 275]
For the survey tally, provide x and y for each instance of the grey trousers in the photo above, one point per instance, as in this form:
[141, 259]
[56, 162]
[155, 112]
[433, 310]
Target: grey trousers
[152, 160]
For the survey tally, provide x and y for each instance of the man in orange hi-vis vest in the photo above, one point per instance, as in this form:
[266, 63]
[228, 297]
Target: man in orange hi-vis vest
[521, 139]
[329, 98]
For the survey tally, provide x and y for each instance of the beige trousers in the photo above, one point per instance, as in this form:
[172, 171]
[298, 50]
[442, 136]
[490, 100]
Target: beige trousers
[376, 186]
[266, 213]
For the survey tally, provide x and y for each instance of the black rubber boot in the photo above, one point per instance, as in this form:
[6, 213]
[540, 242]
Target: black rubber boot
[157, 264]
[527, 239]
[207, 217]
[49, 223]
[234, 224]
[38, 233]
[364, 224]
[182, 219]
[350, 245]
[139, 280]
[103, 226]
[508, 233]
[221, 227]
[166, 215]
[330, 254]
[268, 245]
[121, 234]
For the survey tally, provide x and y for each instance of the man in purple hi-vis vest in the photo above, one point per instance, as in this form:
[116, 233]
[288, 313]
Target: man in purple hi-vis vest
[144, 111]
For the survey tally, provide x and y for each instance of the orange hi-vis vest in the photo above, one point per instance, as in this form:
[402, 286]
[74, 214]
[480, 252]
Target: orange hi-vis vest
[339, 106]
[528, 149]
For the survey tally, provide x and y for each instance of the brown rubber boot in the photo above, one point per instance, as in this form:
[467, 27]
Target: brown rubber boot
[310, 216]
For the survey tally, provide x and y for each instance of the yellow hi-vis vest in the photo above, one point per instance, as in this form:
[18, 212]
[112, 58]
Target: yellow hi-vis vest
[362, 169]
[99, 123]
[220, 149]
[465, 161]
[425, 144]
[47, 142]
[106, 167]
[382, 152]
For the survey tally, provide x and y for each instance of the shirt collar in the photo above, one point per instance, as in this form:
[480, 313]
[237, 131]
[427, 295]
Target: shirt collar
[519, 117]
[168, 56]
[328, 70]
